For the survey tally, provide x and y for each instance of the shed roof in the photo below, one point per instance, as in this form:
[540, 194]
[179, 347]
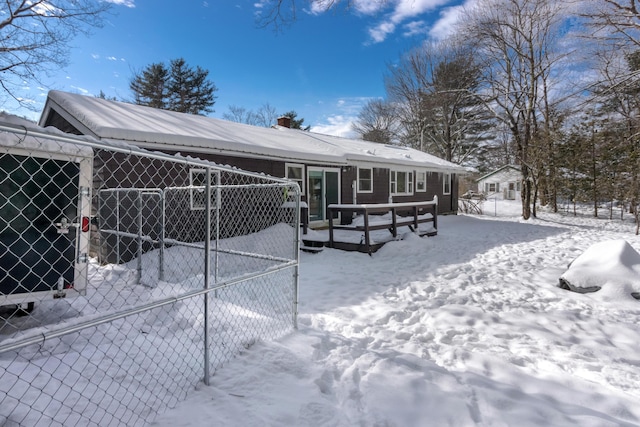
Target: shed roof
[160, 129]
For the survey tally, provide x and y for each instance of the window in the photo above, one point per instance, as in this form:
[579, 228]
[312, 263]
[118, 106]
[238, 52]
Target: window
[400, 182]
[198, 183]
[365, 180]
[491, 187]
[446, 183]
[421, 181]
[295, 173]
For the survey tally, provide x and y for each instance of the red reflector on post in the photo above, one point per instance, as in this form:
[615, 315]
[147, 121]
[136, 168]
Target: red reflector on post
[85, 224]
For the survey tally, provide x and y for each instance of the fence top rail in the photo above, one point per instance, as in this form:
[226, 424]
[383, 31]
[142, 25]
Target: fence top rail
[123, 147]
[381, 206]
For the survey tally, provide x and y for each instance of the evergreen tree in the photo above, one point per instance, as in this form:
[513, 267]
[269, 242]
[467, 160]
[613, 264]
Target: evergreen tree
[296, 123]
[150, 86]
[103, 95]
[177, 88]
[189, 90]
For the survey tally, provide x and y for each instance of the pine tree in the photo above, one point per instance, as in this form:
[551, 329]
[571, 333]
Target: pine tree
[177, 88]
[150, 87]
[296, 123]
[189, 90]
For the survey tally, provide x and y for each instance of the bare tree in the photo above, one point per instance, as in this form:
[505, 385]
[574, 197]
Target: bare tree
[376, 122]
[616, 21]
[617, 24]
[435, 88]
[265, 116]
[618, 96]
[281, 13]
[35, 35]
[237, 114]
[515, 39]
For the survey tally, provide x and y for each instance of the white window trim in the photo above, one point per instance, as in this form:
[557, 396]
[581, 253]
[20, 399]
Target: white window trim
[495, 185]
[197, 188]
[425, 182]
[409, 183]
[446, 177]
[370, 178]
[303, 176]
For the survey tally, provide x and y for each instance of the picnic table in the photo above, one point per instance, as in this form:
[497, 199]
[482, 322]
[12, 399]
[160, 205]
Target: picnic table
[408, 214]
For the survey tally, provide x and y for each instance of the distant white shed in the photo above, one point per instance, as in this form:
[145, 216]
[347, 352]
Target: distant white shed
[503, 183]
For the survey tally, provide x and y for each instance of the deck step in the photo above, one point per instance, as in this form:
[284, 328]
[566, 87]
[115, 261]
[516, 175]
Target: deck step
[313, 246]
[311, 249]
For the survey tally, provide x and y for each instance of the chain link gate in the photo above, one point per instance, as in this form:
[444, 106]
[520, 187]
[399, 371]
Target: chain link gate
[129, 277]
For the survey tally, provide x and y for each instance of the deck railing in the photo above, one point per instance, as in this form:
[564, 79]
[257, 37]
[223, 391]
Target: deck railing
[410, 214]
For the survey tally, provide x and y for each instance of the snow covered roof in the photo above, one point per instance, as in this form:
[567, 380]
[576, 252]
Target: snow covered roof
[160, 129]
[512, 167]
[20, 133]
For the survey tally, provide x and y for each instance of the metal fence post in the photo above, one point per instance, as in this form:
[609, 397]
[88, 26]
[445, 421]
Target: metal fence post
[163, 209]
[118, 227]
[139, 269]
[296, 271]
[207, 271]
[218, 208]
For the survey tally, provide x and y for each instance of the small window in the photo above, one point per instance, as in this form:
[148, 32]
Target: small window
[446, 183]
[491, 187]
[197, 192]
[295, 172]
[393, 182]
[421, 181]
[365, 180]
[400, 182]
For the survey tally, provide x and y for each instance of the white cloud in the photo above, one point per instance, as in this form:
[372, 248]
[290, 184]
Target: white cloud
[343, 113]
[403, 10]
[127, 3]
[95, 56]
[415, 27]
[112, 58]
[337, 125]
[369, 7]
[81, 90]
[379, 34]
[448, 19]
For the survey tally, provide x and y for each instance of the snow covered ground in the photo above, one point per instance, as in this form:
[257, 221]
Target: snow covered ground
[468, 328]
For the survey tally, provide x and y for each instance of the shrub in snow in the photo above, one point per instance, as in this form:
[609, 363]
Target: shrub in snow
[613, 266]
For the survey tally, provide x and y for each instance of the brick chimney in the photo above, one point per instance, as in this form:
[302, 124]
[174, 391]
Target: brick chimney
[284, 121]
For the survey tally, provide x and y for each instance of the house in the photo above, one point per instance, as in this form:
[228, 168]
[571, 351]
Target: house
[503, 183]
[328, 169]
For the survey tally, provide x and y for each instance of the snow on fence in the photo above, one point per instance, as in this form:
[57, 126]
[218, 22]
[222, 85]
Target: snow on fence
[129, 277]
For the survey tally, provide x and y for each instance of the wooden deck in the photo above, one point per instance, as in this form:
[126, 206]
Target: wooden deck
[380, 216]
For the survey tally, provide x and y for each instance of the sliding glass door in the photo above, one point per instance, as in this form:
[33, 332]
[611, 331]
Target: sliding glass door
[323, 189]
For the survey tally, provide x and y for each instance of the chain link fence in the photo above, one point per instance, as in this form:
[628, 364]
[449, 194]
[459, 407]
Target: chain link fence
[129, 277]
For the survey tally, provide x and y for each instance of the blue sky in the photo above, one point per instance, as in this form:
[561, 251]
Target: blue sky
[325, 66]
